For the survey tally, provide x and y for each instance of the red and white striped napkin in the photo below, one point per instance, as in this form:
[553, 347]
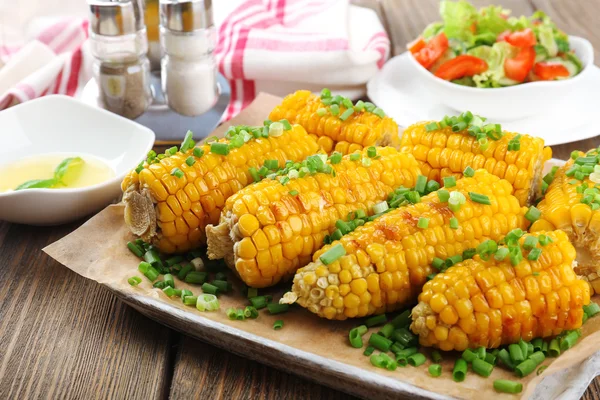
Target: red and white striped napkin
[62, 72]
[279, 46]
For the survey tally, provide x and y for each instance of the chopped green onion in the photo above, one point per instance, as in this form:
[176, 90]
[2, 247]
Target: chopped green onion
[449, 181]
[293, 193]
[416, 360]
[231, 313]
[276, 129]
[169, 281]
[545, 240]
[371, 151]
[435, 370]
[250, 312]
[366, 162]
[480, 198]
[169, 291]
[530, 242]
[223, 286]
[333, 254]
[275, 308]
[207, 302]
[432, 126]
[469, 172]
[177, 173]
[135, 249]
[423, 223]
[386, 331]
[379, 112]
[591, 309]
[321, 112]
[376, 320]
[506, 386]
[469, 253]
[525, 368]
[254, 174]
[469, 355]
[380, 207]
[482, 368]
[421, 184]
[516, 354]
[286, 124]
[454, 223]
[554, 348]
[334, 109]
[134, 280]
[210, 289]
[369, 350]
[259, 302]
[219, 148]
[413, 197]
[534, 254]
[190, 300]
[382, 360]
[196, 277]
[346, 114]
[271, 164]
[277, 325]
[438, 263]
[504, 356]
[172, 150]
[443, 195]
[432, 186]
[402, 320]
[460, 370]
[450, 261]
[336, 157]
[379, 342]
[436, 357]
[533, 214]
[354, 156]
[568, 340]
[159, 285]
[355, 336]
[490, 358]
[501, 253]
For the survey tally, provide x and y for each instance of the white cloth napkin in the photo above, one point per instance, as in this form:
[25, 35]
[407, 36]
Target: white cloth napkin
[279, 46]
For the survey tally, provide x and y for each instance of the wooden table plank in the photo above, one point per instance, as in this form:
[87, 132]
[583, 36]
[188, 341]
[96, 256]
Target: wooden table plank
[66, 337]
[203, 371]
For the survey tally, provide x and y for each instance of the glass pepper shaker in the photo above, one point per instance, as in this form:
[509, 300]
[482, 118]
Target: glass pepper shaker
[188, 67]
[119, 45]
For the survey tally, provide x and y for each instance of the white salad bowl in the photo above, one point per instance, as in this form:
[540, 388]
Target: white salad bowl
[62, 125]
[511, 102]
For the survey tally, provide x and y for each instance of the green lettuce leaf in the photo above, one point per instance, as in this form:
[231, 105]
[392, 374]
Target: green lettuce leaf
[491, 20]
[432, 29]
[494, 56]
[458, 17]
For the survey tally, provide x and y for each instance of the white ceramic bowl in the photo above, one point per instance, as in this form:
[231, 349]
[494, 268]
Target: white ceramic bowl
[60, 124]
[512, 102]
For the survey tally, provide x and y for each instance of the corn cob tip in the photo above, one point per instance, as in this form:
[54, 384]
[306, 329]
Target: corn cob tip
[139, 213]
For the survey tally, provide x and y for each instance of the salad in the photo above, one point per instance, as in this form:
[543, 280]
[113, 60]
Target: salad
[488, 48]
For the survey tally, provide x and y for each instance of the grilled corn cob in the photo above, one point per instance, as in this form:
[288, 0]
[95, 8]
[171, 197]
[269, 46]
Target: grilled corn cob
[442, 152]
[359, 130]
[565, 207]
[268, 230]
[386, 261]
[491, 303]
[172, 212]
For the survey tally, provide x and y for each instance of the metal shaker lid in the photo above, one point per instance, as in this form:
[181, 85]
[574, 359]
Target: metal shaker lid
[116, 17]
[186, 15]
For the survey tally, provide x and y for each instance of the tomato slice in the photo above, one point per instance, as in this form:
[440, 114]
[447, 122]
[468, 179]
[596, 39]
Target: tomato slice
[517, 68]
[548, 71]
[416, 45]
[432, 50]
[463, 65]
[524, 38]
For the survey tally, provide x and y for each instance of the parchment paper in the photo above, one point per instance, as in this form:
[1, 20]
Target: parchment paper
[97, 251]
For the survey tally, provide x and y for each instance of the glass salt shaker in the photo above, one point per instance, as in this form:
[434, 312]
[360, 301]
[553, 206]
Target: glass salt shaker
[119, 45]
[189, 73]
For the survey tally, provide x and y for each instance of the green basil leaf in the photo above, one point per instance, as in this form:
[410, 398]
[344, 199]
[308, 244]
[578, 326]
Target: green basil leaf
[69, 170]
[37, 184]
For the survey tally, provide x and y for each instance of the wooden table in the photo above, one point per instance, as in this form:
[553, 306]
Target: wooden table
[65, 337]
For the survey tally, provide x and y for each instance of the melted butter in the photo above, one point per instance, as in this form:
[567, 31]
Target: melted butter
[94, 171]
